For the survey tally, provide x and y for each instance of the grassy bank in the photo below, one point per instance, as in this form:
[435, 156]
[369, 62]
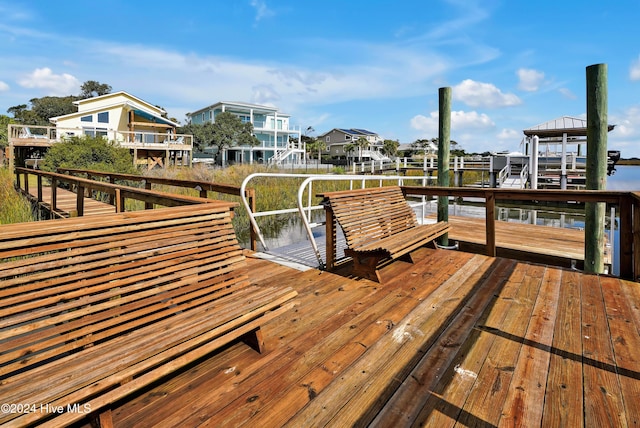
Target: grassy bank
[13, 207]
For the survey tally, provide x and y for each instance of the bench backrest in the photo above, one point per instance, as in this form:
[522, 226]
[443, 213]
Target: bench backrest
[366, 215]
[69, 284]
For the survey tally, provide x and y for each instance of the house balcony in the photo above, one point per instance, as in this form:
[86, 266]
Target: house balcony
[44, 136]
[30, 141]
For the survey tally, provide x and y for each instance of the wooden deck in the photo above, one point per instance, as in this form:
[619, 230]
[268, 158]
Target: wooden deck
[542, 244]
[66, 203]
[454, 338]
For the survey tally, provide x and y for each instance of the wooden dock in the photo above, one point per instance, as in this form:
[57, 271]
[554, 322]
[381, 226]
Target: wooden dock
[454, 338]
[521, 241]
[66, 203]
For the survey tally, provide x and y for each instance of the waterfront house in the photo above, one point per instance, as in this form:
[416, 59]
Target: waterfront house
[120, 117]
[280, 142]
[338, 138]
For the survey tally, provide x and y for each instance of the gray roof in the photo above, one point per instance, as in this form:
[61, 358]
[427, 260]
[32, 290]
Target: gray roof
[572, 126]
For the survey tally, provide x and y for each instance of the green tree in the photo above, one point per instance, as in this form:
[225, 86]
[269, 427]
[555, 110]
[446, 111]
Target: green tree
[203, 134]
[348, 149]
[92, 88]
[230, 131]
[390, 147]
[94, 153]
[362, 144]
[316, 145]
[4, 128]
[47, 107]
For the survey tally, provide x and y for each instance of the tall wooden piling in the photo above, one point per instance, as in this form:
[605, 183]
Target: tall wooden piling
[444, 138]
[597, 128]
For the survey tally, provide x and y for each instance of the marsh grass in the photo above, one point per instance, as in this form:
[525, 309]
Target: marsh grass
[271, 193]
[14, 208]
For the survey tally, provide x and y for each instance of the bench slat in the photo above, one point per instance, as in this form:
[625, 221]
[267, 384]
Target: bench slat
[85, 309]
[378, 225]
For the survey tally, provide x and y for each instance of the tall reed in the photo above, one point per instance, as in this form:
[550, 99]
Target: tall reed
[271, 193]
[14, 208]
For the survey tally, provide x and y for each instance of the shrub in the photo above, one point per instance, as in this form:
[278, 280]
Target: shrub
[93, 153]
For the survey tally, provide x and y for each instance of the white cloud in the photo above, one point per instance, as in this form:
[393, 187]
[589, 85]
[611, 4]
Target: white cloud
[262, 10]
[626, 134]
[55, 84]
[567, 93]
[634, 73]
[3, 86]
[460, 121]
[509, 134]
[530, 80]
[479, 94]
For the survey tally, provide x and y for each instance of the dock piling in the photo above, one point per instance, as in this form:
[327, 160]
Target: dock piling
[596, 178]
[444, 137]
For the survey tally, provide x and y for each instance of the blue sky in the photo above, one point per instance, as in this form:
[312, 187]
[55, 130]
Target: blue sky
[339, 64]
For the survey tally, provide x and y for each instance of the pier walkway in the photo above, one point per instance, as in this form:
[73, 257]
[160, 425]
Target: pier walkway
[453, 338]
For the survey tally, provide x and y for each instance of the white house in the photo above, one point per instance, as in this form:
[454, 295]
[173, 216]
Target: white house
[120, 117]
[279, 141]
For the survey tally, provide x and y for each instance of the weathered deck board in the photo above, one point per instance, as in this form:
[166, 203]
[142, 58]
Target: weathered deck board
[536, 243]
[453, 338]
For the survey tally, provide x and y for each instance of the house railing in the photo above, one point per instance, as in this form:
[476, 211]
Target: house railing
[29, 134]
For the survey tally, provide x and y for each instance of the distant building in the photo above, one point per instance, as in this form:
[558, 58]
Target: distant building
[279, 141]
[119, 117]
[338, 138]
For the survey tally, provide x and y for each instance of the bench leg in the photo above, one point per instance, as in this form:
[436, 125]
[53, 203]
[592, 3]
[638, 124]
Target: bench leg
[102, 420]
[366, 266]
[255, 340]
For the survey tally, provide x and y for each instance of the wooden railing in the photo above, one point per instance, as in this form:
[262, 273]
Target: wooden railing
[627, 202]
[203, 187]
[118, 193]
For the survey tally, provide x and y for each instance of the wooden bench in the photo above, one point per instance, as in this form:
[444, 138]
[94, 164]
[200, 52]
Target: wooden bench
[95, 308]
[379, 226]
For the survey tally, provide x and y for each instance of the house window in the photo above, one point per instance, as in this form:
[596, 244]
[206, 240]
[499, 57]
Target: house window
[86, 118]
[244, 118]
[103, 117]
[347, 137]
[327, 138]
[279, 124]
[101, 132]
[203, 119]
[89, 132]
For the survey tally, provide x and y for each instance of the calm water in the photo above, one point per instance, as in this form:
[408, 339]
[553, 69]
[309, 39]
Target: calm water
[626, 177]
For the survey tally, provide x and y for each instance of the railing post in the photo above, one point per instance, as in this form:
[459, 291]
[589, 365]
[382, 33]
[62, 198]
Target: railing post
[119, 201]
[147, 186]
[253, 235]
[490, 223]
[54, 196]
[80, 201]
[627, 234]
[26, 183]
[112, 180]
[39, 180]
[636, 239]
[331, 238]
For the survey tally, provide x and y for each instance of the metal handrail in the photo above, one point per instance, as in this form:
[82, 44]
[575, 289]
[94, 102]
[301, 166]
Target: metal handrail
[305, 209]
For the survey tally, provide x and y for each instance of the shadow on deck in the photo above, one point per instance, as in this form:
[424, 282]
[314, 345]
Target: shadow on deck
[455, 337]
